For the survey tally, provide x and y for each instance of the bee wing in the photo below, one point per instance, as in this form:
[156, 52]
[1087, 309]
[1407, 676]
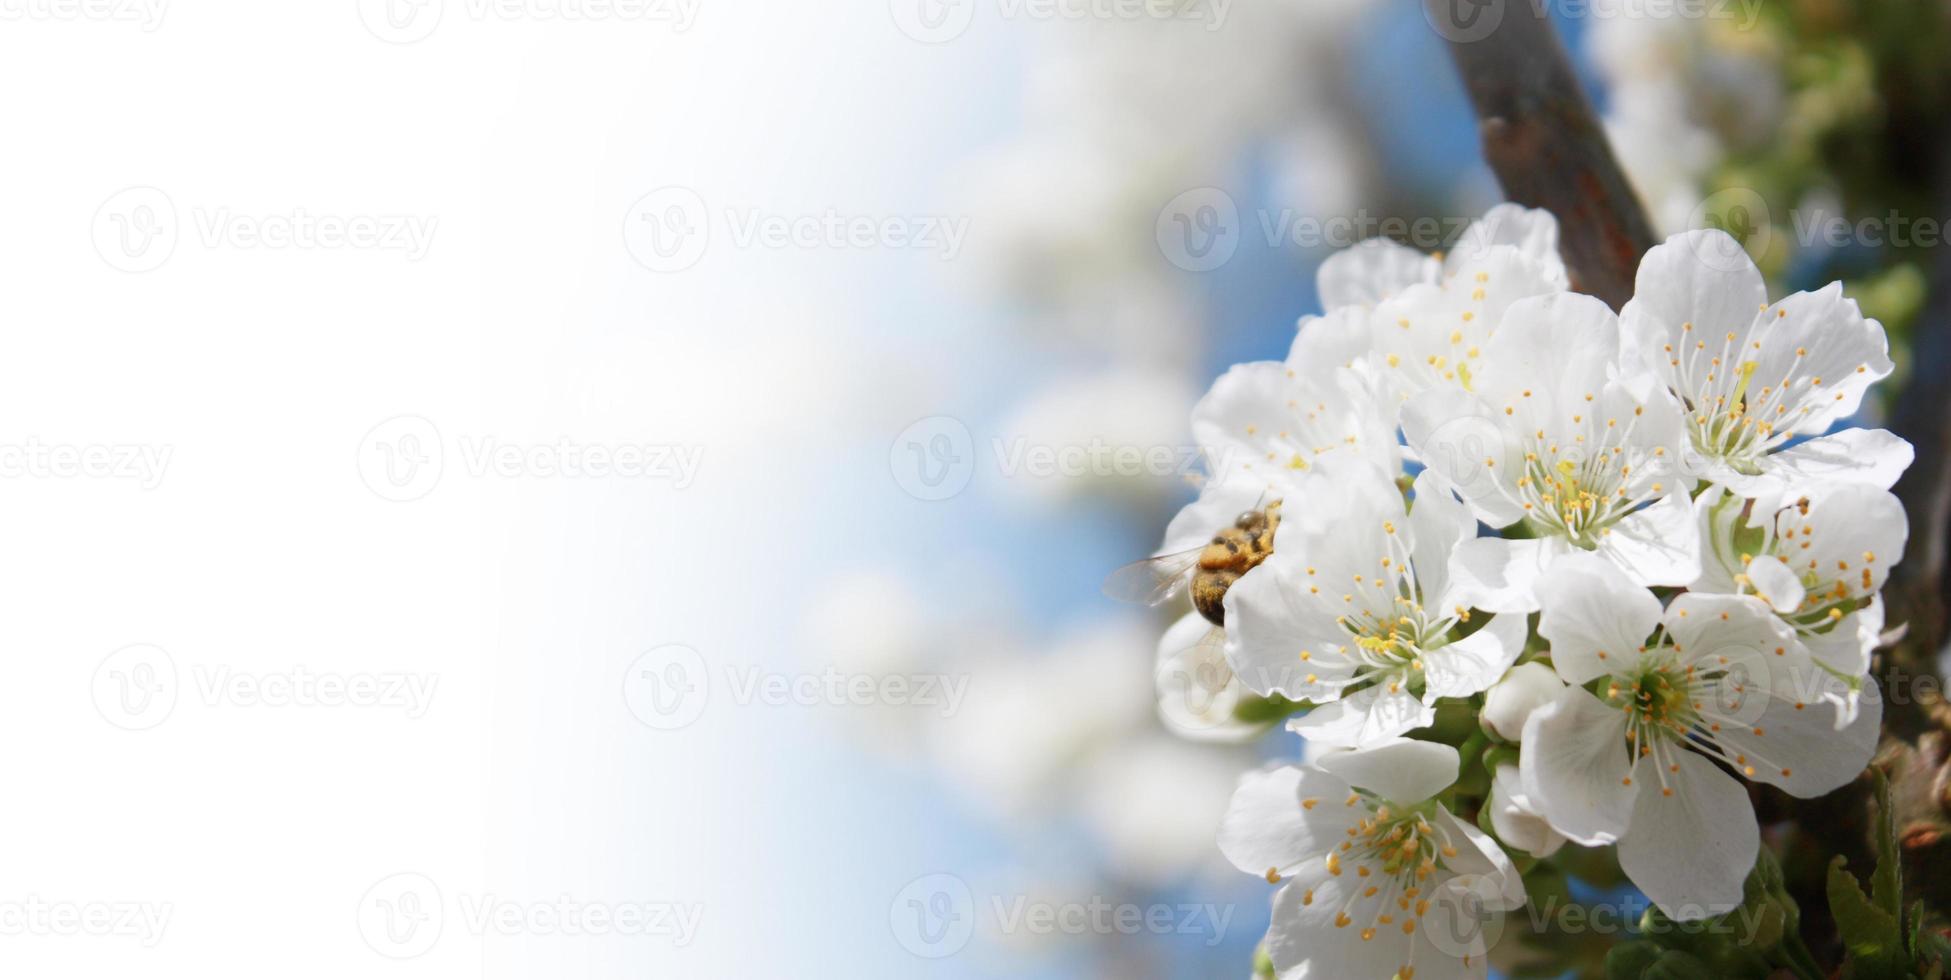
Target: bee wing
[1209, 649]
[1212, 646]
[1152, 580]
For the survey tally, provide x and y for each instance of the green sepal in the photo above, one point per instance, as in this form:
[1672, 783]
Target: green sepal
[1266, 711]
[1887, 883]
[1631, 960]
[1871, 936]
[1677, 965]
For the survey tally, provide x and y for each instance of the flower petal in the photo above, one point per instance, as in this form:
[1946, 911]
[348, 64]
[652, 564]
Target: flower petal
[1690, 850]
[1270, 826]
[1550, 352]
[1196, 689]
[1658, 544]
[1575, 767]
[1873, 456]
[1775, 584]
[1403, 771]
[1483, 859]
[1305, 941]
[1825, 353]
[1323, 344]
[1220, 503]
[1703, 627]
[1366, 717]
[1796, 746]
[1846, 647]
[1276, 642]
[1475, 662]
[1501, 574]
[1269, 423]
[1516, 823]
[1845, 538]
[1371, 271]
[1595, 618]
[1696, 280]
[1533, 232]
[1439, 522]
[1456, 436]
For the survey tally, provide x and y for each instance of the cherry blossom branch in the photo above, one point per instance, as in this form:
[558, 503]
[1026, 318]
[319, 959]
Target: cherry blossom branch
[1542, 139]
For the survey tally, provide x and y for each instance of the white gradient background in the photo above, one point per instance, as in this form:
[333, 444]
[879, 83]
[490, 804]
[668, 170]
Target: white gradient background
[263, 550]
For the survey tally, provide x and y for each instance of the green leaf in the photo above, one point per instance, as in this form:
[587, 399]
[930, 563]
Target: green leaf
[1917, 937]
[1767, 913]
[1733, 962]
[1676, 965]
[1689, 937]
[1886, 885]
[1500, 755]
[1265, 711]
[1631, 960]
[1870, 935]
[1472, 778]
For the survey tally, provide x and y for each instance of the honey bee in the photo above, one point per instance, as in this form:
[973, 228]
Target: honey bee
[1209, 569]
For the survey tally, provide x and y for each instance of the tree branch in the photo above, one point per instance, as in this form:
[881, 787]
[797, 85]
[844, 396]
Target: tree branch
[1542, 139]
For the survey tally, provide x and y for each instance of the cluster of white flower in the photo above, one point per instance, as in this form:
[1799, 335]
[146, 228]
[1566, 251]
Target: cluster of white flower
[1702, 556]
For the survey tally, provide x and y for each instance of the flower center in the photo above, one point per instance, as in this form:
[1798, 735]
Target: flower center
[1730, 416]
[1831, 591]
[1657, 698]
[1388, 628]
[1393, 852]
[1579, 493]
[1673, 706]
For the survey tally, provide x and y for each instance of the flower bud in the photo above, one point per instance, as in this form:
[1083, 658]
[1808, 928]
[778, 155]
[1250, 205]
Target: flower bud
[1525, 689]
[1515, 822]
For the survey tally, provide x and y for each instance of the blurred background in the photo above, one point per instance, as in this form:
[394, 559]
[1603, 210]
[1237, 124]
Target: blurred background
[621, 488]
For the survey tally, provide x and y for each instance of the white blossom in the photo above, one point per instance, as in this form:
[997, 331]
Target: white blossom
[1711, 677]
[1818, 558]
[1376, 871]
[1515, 820]
[1272, 421]
[1752, 375]
[1525, 689]
[1357, 612]
[1553, 435]
[1429, 318]
[1197, 689]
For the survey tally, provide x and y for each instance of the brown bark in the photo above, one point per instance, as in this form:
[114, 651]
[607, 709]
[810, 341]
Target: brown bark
[1542, 139]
